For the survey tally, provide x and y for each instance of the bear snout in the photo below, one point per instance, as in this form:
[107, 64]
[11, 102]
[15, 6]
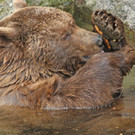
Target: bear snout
[99, 41]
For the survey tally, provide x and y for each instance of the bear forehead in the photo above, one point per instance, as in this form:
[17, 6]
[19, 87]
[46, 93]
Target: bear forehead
[42, 14]
[38, 19]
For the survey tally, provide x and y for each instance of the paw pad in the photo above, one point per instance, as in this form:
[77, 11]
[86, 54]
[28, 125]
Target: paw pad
[111, 28]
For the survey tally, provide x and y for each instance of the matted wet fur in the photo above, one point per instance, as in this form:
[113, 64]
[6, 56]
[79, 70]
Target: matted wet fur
[98, 84]
[47, 61]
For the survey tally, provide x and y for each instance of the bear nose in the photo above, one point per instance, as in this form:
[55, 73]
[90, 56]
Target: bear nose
[99, 39]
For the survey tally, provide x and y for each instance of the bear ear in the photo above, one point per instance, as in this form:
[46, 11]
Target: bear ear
[8, 33]
[18, 4]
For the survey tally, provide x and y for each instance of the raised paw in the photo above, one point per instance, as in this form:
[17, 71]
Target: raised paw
[111, 28]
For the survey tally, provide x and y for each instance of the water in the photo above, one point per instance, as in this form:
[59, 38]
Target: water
[117, 120]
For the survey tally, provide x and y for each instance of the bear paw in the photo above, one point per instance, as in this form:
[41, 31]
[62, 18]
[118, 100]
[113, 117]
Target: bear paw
[111, 28]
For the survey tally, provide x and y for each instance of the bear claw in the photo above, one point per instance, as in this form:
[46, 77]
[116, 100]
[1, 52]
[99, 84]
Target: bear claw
[111, 28]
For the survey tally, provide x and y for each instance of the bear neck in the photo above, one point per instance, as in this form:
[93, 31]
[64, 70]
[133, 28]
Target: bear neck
[16, 68]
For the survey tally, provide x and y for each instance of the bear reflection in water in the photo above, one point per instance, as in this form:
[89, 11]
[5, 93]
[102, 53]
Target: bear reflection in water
[47, 61]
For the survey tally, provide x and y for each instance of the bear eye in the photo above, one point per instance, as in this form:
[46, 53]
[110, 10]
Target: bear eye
[66, 36]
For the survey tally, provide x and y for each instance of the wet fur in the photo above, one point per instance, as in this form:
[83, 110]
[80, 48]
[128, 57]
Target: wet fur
[97, 84]
[94, 85]
[41, 62]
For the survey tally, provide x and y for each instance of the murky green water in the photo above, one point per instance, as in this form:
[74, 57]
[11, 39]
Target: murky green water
[117, 120]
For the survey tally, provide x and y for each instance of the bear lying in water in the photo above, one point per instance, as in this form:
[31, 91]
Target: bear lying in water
[47, 61]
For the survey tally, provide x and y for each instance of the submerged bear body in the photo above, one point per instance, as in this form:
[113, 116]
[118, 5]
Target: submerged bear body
[47, 61]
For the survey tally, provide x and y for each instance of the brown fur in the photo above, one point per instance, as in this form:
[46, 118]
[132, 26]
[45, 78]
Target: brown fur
[49, 38]
[38, 42]
[97, 84]
[94, 85]
[41, 47]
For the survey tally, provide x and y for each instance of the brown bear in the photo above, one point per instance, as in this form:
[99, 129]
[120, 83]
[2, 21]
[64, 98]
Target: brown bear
[39, 42]
[97, 84]
[47, 61]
